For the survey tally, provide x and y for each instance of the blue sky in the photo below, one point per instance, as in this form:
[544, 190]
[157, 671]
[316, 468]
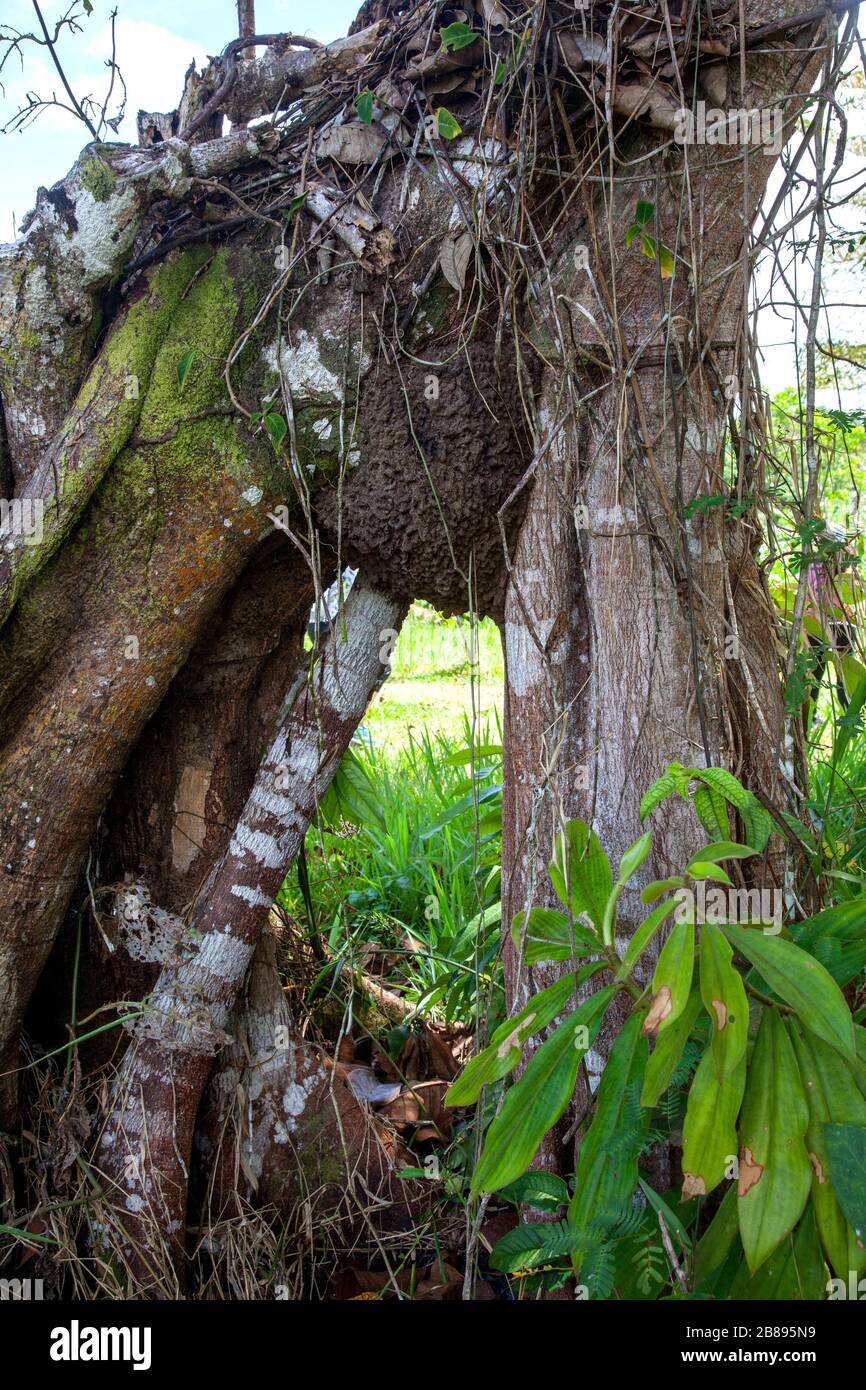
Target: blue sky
[156, 39]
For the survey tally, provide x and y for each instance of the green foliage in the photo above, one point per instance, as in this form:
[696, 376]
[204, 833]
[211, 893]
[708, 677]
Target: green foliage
[755, 1060]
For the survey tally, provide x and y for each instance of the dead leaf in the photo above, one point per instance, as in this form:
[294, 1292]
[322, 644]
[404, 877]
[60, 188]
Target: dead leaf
[351, 143]
[454, 258]
[493, 12]
[721, 1012]
[367, 1086]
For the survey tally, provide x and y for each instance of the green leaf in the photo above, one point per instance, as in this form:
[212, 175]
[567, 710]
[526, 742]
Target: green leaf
[364, 106]
[607, 1171]
[634, 856]
[709, 1130]
[671, 1220]
[456, 36]
[757, 822]
[505, 1048]
[644, 212]
[539, 1189]
[447, 125]
[539, 1243]
[550, 936]
[87, 6]
[183, 367]
[675, 779]
[581, 865]
[534, 1104]
[775, 1173]
[667, 1051]
[643, 936]
[837, 938]
[724, 996]
[352, 796]
[721, 849]
[713, 1246]
[699, 870]
[832, 1098]
[666, 261]
[654, 890]
[672, 980]
[794, 1271]
[801, 981]
[846, 1146]
[499, 72]
[712, 812]
[276, 428]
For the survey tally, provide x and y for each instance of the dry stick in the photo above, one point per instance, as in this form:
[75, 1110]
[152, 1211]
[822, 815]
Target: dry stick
[158, 1086]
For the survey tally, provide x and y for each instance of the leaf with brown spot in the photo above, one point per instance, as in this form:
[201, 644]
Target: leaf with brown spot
[709, 1130]
[832, 1097]
[724, 996]
[672, 981]
[775, 1173]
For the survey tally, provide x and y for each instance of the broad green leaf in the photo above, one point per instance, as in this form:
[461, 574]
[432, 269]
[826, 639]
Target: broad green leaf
[709, 1131]
[505, 1048]
[801, 981]
[535, 1102]
[672, 980]
[539, 1189]
[634, 856]
[833, 1099]
[644, 212]
[712, 812]
[714, 1244]
[794, 1271]
[455, 36]
[352, 796]
[539, 1243]
[837, 938]
[719, 850]
[549, 936]
[846, 1146]
[757, 823]
[607, 1171]
[581, 865]
[724, 996]
[643, 936]
[447, 125]
[674, 780]
[667, 1051]
[654, 890]
[699, 870]
[276, 428]
[775, 1173]
[364, 106]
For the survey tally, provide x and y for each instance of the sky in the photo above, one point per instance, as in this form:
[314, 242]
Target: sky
[157, 39]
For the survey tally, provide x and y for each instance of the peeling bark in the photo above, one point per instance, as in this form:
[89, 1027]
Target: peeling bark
[145, 1146]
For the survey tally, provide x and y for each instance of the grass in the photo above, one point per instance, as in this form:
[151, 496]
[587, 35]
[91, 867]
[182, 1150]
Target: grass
[441, 671]
[403, 870]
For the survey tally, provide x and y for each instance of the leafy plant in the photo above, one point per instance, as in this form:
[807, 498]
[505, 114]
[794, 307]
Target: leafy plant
[751, 1026]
